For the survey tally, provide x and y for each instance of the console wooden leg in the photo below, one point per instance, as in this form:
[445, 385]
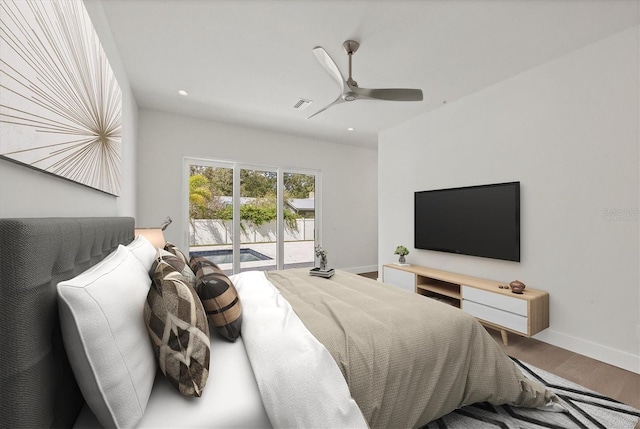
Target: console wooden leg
[505, 339]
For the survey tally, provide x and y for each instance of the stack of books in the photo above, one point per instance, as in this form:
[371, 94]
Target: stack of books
[322, 273]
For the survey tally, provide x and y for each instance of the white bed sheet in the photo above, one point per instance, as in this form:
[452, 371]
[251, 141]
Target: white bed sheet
[231, 398]
[301, 384]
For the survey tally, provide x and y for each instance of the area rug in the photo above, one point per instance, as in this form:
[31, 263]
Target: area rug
[586, 409]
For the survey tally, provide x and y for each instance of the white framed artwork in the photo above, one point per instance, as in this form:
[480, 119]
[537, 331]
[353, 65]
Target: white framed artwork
[60, 103]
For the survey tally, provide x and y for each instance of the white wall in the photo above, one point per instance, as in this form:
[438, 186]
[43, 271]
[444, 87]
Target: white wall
[568, 131]
[29, 193]
[348, 174]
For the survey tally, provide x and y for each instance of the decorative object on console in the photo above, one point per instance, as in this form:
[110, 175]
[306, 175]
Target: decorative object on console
[61, 107]
[402, 251]
[517, 286]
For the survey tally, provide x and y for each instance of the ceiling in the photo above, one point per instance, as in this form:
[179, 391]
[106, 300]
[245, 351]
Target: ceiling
[249, 62]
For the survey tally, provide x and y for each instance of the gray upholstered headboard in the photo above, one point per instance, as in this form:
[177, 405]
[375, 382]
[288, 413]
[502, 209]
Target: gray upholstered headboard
[37, 386]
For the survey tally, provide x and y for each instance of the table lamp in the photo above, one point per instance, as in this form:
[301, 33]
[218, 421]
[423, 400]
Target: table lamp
[155, 236]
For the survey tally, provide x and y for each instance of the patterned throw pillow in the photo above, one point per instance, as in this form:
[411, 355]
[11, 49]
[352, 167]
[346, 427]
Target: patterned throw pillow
[219, 297]
[177, 325]
[172, 248]
[177, 263]
[198, 261]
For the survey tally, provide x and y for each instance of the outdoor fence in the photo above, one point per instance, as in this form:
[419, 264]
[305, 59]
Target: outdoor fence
[211, 232]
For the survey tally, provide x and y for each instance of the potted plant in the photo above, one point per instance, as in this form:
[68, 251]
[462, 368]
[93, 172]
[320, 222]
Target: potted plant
[402, 251]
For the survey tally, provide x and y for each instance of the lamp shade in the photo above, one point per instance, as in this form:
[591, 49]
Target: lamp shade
[153, 235]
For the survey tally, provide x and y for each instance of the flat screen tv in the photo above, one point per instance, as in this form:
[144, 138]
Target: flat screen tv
[474, 220]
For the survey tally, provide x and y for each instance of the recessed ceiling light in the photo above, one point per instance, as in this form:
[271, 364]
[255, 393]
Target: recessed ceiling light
[183, 92]
[350, 129]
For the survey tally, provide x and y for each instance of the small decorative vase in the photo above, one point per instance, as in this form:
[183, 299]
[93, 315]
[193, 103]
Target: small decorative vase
[517, 286]
[323, 264]
[401, 259]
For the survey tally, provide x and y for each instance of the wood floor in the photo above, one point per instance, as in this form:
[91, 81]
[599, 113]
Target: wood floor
[614, 382]
[608, 380]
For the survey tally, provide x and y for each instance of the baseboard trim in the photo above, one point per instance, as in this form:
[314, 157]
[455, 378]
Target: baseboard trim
[360, 270]
[609, 355]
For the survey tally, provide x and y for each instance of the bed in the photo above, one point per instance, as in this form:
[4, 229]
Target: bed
[314, 352]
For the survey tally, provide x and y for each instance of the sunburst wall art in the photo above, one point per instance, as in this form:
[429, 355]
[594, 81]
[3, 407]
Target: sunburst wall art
[60, 103]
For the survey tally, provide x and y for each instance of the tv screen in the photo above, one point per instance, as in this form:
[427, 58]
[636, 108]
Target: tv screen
[474, 220]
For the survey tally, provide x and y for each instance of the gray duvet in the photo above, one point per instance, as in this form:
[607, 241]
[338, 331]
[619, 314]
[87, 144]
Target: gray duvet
[407, 359]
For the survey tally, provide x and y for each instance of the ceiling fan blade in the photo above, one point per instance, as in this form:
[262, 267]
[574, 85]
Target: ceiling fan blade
[330, 66]
[390, 94]
[337, 101]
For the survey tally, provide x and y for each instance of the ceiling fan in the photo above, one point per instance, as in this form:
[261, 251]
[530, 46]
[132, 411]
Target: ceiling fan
[350, 90]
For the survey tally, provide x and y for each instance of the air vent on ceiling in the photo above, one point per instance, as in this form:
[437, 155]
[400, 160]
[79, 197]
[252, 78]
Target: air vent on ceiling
[302, 104]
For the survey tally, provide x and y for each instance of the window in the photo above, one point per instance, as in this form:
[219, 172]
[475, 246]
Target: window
[249, 217]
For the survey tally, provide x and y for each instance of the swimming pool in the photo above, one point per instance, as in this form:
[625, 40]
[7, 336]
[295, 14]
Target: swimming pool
[225, 256]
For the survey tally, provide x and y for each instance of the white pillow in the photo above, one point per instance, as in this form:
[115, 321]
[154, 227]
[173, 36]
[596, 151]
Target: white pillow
[143, 250]
[103, 329]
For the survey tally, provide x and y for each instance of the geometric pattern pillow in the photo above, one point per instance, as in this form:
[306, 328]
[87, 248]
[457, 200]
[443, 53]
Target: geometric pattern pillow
[198, 261]
[219, 297]
[177, 263]
[172, 248]
[179, 331]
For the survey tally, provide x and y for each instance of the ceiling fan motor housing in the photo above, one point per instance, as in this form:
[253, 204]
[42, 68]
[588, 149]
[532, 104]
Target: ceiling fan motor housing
[349, 96]
[350, 46]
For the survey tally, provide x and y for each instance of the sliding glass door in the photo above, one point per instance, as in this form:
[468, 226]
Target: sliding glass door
[299, 207]
[211, 226]
[258, 219]
[247, 217]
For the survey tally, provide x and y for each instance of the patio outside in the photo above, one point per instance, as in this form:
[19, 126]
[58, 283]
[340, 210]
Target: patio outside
[297, 254]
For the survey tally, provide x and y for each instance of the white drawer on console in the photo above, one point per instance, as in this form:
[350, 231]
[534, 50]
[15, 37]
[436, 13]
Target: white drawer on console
[402, 279]
[503, 318]
[496, 300]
